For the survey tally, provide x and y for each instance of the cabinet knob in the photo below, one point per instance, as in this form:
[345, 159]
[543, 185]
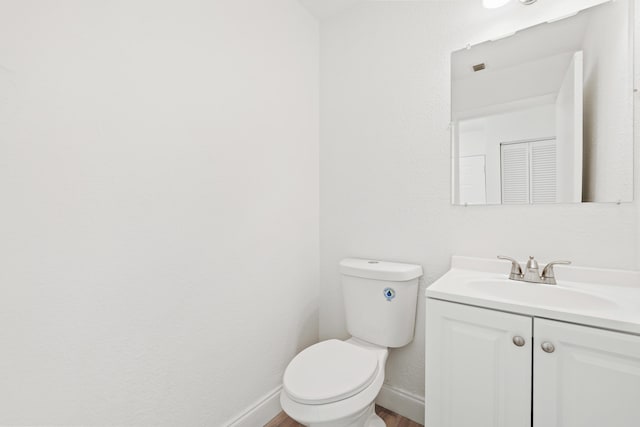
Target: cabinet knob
[547, 347]
[518, 340]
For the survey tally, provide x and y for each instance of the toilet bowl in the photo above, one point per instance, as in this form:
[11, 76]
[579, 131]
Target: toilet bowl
[334, 384]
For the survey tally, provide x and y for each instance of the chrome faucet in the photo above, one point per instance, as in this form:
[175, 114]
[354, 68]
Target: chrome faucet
[531, 273]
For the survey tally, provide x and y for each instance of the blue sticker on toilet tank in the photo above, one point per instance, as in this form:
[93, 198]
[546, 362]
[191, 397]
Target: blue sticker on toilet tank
[389, 294]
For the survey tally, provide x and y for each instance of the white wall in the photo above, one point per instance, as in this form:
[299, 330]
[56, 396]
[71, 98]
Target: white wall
[608, 169]
[385, 169]
[569, 129]
[159, 207]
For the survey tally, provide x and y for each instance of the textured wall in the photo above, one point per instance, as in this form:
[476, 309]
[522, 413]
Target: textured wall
[608, 96]
[384, 156]
[159, 207]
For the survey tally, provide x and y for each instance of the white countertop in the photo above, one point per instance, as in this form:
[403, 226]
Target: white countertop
[602, 298]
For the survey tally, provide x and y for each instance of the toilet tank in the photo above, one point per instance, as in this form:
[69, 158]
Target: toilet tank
[380, 300]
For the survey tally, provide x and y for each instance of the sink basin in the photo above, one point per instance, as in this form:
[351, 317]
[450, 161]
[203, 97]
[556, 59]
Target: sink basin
[603, 298]
[539, 294]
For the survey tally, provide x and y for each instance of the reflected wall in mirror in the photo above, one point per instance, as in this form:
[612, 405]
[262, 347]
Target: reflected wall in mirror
[546, 115]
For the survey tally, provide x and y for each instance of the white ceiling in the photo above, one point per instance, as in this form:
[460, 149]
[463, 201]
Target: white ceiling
[531, 64]
[531, 44]
[322, 9]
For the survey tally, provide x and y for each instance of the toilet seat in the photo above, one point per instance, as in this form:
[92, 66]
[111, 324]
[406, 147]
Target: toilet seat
[329, 371]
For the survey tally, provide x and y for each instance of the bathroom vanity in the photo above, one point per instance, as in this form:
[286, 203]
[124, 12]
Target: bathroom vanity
[501, 352]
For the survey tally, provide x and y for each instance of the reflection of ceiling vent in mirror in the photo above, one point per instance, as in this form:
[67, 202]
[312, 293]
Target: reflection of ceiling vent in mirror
[479, 67]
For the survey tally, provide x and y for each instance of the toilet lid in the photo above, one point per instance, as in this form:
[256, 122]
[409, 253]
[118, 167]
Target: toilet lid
[329, 371]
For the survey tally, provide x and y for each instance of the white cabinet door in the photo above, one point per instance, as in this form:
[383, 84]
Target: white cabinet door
[475, 375]
[591, 379]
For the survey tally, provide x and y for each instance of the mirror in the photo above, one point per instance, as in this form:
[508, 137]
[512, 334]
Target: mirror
[546, 115]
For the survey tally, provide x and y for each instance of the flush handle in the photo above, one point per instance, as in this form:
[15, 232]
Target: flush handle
[547, 347]
[518, 340]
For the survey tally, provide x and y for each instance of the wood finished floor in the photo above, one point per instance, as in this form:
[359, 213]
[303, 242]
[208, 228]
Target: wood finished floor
[391, 419]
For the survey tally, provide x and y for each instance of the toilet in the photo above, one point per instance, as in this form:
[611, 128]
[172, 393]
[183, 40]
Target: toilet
[335, 383]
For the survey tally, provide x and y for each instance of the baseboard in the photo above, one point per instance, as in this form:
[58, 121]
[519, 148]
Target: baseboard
[397, 400]
[261, 412]
[402, 402]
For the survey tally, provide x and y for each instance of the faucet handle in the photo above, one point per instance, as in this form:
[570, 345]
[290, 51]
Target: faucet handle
[516, 269]
[548, 275]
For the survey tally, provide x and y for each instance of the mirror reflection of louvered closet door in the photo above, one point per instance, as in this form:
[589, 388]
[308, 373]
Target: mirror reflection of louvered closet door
[528, 171]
